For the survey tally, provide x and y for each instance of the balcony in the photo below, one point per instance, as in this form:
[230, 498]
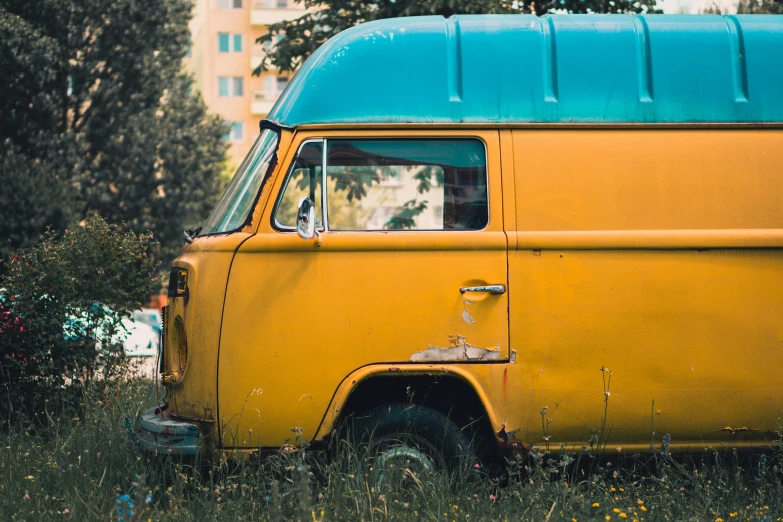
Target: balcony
[257, 54]
[263, 102]
[266, 12]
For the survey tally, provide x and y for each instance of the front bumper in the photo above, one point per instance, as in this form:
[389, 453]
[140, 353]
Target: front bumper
[160, 434]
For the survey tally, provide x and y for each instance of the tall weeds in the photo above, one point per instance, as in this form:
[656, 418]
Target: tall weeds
[80, 469]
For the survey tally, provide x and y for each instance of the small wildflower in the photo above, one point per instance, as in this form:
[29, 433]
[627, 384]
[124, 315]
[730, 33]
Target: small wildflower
[612, 489]
[718, 519]
[492, 497]
[622, 489]
[623, 515]
[607, 517]
[643, 508]
[26, 496]
[65, 511]
[682, 489]
[616, 510]
[476, 465]
[596, 504]
[732, 515]
[640, 501]
[614, 475]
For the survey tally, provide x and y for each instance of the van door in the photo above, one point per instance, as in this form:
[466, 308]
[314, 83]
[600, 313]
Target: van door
[410, 267]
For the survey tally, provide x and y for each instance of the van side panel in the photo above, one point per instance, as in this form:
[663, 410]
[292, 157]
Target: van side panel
[657, 254]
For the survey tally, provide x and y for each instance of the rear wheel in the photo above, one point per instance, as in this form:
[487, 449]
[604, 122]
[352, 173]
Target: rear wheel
[400, 444]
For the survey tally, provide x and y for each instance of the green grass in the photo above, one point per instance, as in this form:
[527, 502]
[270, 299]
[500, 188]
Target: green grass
[78, 469]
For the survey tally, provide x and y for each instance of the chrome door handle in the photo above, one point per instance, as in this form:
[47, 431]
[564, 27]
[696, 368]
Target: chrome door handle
[490, 289]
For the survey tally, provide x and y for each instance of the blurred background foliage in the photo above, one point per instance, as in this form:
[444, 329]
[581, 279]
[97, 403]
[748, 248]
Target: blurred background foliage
[303, 35]
[98, 115]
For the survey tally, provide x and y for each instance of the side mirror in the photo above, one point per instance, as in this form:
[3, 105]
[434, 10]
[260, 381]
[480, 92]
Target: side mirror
[305, 219]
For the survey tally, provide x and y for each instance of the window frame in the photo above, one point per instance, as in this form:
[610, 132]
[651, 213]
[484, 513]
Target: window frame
[277, 227]
[283, 228]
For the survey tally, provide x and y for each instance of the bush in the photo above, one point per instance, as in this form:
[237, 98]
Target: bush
[61, 301]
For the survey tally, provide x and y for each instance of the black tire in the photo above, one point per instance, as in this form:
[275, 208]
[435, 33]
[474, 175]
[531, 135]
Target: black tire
[410, 441]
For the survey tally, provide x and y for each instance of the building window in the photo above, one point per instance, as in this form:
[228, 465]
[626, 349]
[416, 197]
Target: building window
[223, 42]
[273, 86]
[236, 132]
[231, 86]
[276, 4]
[229, 43]
[230, 4]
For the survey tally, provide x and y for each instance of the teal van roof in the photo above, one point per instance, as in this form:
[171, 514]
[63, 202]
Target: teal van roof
[552, 69]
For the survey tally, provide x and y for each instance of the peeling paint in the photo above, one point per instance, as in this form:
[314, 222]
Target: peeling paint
[466, 316]
[742, 429]
[459, 350]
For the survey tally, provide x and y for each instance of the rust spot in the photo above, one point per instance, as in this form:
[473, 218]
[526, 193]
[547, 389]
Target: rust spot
[536, 252]
[459, 350]
[505, 383]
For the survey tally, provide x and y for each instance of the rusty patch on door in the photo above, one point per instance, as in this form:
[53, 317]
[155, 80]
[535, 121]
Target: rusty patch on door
[459, 350]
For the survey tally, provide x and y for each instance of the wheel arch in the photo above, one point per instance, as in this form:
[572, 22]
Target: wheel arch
[371, 386]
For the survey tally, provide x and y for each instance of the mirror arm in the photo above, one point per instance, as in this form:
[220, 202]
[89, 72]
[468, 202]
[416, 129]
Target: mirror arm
[318, 240]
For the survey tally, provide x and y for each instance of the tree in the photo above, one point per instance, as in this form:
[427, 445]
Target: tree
[292, 41]
[60, 301]
[97, 104]
[760, 7]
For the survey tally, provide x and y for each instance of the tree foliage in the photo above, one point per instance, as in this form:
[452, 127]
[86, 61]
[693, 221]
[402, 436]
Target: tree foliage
[60, 300]
[292, 41]
[97, 108]
[760, 7]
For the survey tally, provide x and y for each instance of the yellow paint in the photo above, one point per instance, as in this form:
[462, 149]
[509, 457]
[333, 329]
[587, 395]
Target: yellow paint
[653, 252]
[313, 315]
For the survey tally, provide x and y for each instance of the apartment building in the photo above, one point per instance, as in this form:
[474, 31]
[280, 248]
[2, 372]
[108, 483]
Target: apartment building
[223, 55]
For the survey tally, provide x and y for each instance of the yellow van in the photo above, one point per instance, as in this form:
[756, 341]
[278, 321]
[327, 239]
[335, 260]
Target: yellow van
[449, 227]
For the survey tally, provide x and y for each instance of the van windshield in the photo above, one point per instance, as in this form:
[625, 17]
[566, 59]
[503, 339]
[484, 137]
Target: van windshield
[237, 201]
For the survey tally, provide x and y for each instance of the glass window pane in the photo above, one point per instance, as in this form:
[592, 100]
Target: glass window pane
[238, 130]
[304, 181]
[238, 87]
[222, 42]
[433, 184]
[237, 43]
[223, 86]
[224, 4]
[237, 4]
[237, 201]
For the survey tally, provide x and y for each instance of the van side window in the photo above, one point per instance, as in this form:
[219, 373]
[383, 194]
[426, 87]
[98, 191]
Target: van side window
[304, 180]
[417, 184]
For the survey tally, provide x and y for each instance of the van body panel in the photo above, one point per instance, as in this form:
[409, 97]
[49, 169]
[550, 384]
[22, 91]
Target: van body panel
[190, 383]
[667, 270]
[360, 298]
